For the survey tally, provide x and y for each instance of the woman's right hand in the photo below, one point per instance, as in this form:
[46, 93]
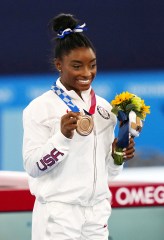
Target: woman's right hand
[69, 123]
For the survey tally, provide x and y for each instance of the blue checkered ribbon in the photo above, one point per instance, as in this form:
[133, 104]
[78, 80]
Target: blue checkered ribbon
[66, 99]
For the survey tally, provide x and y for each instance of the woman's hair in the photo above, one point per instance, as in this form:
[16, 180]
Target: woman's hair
[72, 39]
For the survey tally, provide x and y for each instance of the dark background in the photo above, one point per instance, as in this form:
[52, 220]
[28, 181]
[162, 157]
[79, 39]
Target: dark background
[127, 34]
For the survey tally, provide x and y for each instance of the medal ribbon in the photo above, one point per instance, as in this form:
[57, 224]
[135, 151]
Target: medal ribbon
[93, 102]
[68, 101]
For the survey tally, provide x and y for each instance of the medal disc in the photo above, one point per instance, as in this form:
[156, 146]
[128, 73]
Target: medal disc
[85, 125]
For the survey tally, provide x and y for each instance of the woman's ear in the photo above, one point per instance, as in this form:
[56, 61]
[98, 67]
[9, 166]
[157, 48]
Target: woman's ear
[57, 64]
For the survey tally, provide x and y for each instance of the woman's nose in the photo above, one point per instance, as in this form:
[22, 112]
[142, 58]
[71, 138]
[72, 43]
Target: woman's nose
[86, 72]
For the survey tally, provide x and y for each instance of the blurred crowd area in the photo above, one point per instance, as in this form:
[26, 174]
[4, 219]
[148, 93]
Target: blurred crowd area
[150, 160]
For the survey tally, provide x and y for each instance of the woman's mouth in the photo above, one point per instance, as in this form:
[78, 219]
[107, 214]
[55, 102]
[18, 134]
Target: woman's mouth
[82, 81]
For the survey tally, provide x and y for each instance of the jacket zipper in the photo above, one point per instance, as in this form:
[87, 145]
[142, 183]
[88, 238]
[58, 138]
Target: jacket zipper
[94, 165]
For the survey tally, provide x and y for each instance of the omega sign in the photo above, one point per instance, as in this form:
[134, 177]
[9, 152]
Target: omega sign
[138, 195]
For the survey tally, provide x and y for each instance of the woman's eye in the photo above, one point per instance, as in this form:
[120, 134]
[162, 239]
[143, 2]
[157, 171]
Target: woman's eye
[93, 65]
[76, 66]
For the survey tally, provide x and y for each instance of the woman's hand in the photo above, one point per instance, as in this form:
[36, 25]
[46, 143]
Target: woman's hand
[69, 123]
[128, 153]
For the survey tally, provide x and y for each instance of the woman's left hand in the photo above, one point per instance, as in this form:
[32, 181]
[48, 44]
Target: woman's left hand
[128, 152]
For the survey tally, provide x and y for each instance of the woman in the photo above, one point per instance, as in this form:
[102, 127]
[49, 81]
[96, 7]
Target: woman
[68, 144]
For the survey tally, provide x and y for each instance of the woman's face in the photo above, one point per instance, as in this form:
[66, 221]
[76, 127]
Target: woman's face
[78, 69]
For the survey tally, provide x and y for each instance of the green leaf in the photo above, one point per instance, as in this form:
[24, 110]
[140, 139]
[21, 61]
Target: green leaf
[130, 107]
[115, 111]
[139, 115]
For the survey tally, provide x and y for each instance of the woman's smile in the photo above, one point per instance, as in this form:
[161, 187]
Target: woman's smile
[84, 82]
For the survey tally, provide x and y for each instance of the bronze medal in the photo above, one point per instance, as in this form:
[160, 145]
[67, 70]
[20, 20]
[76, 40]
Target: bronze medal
[85, 125]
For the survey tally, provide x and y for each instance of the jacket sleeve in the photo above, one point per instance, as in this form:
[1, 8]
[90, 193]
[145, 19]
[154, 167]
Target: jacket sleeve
[113, 169]
[41, 153]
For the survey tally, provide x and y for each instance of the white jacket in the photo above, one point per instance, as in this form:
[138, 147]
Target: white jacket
[68, 170]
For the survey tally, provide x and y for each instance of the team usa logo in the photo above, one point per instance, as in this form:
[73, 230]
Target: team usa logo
[103, 112]
[49, 160]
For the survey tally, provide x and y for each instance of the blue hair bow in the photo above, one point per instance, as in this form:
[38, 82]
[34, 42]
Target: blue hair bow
[78, 28]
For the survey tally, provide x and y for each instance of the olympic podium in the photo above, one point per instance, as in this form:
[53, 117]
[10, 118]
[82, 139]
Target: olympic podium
[137, 202]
